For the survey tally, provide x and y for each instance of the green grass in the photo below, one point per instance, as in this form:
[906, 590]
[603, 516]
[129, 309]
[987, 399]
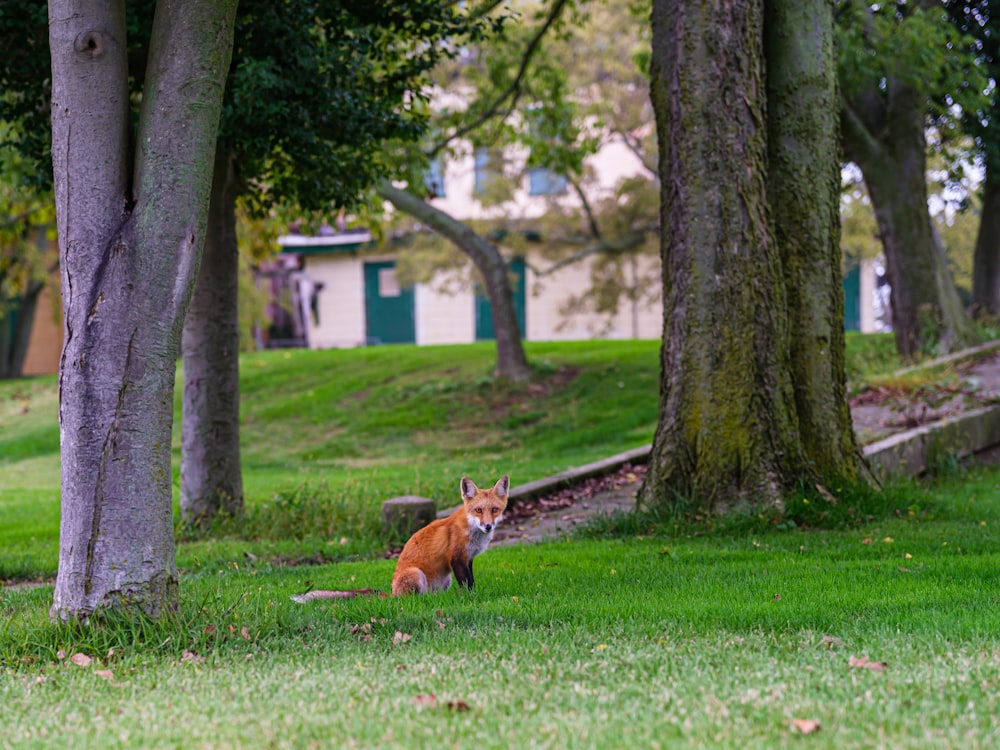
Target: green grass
[686, 641]
[347, 429]
[644, 635]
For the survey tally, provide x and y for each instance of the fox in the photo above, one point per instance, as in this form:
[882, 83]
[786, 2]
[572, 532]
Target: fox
[442, 548]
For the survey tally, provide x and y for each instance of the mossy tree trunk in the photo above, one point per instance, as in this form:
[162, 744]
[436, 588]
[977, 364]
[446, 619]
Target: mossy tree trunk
[884, 136]
[752, 378]
[804, 195]
[986, 258]
[211, 472]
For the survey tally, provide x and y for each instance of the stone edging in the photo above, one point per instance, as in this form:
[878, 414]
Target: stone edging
[914, 451]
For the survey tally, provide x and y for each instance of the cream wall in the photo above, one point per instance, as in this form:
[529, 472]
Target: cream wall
[444, 318]
[448, 317]
[547, 295]
[341, 302]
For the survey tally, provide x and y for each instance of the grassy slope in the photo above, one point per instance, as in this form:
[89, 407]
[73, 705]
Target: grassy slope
[364, 425]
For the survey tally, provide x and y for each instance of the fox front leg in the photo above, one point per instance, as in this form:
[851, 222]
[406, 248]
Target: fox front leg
[463, 573]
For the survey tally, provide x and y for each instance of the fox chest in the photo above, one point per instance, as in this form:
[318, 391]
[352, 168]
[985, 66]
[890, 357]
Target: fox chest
[478, 541]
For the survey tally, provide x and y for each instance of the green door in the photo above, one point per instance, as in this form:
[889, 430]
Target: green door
[852, 299]
[484, 314]
[388, 307]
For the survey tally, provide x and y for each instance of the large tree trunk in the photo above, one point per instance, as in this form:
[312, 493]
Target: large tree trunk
[884, 135]
[727, 429]
[211, 475]
[986, 259]
[741, 422]
[511, 360]
[130, 236]
[804, 195]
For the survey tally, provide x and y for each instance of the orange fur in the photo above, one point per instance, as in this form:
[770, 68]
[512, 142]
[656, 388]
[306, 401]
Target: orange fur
[443, 547]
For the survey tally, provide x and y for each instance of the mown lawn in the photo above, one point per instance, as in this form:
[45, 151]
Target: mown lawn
[718, 640]
[668, 636]
[328, 435]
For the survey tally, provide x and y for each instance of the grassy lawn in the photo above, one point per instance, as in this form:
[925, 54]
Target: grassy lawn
[717, 640]
[328, 435]
[664, 637]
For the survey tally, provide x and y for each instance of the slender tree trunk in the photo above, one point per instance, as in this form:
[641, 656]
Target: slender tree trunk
[727, 430]
[986, 260]
[211, 474]
[512, 363]
[884, 136]
[130, 236]
[803, 133]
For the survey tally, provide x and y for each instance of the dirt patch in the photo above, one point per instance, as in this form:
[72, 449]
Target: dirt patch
[563, 511]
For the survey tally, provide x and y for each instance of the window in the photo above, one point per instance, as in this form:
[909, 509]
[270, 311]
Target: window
[434, 179]
[542, 181]
[388, 285]
[483, 174]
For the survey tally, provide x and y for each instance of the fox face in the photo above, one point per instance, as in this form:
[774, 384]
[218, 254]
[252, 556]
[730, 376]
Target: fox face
[485, 508]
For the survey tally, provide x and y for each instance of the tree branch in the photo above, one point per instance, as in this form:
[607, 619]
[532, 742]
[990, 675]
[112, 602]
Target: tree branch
[629, 242]
[595, 230]
[855, 134]
[632, 144]
[463, 237]
[512, 92]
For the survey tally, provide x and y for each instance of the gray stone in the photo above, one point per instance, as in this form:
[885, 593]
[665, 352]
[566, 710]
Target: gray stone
[406, 514]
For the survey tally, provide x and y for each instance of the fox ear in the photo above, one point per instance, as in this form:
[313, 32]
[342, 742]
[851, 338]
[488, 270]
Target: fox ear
[469, 489]
[502, 486]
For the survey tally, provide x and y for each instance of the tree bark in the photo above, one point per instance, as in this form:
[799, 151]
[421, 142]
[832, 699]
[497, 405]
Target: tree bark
[804, 194]
[211, 474]
[883, 133]
[512, 363]
[727, 429]
[986, 258]
[130, 235]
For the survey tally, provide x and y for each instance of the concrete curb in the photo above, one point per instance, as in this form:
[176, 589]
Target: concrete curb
[974, 351]
[547, 485]
[906, 453]
[913, 452]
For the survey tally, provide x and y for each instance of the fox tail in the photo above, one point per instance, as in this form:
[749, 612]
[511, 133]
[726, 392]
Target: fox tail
[348, 594]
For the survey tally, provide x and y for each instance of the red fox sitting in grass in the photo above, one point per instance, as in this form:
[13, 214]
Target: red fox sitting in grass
[443, 547]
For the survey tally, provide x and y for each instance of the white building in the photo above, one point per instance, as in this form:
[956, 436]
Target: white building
[344, 291]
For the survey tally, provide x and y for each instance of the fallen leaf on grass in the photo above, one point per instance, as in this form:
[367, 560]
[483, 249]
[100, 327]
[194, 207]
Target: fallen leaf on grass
[191, 656]
[424, 701]
[831, 641]
[104, 674]
[806, 726]
[245, 633]
[429, 700]
[400, 637]
[863, 662]
[81, 660]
